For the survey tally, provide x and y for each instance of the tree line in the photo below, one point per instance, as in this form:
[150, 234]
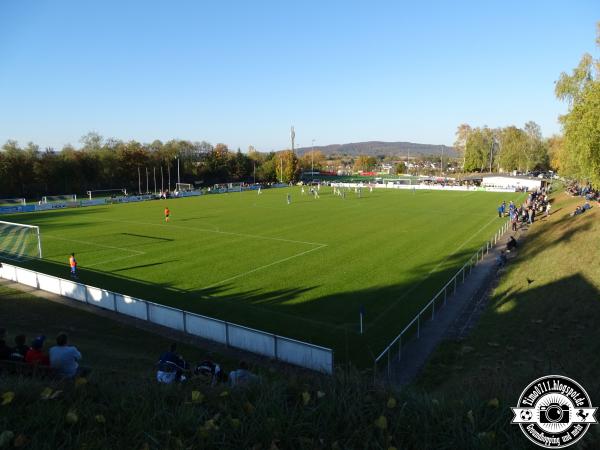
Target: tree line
[574, 154]
[113, 164]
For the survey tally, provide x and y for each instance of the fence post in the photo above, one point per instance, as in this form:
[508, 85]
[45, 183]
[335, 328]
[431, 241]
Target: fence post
[147, 311]
[184, 321]
[227, 334]
[114, 302]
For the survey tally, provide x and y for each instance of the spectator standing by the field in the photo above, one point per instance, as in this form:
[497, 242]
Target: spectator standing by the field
[64, 358]
[289, 199]
[500, 211]
[547, 209]
[73, 265]
[36, 355]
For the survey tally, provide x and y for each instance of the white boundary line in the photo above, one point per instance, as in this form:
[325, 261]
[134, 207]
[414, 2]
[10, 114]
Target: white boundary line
[265, 266]
[230, 233]
[409, 291]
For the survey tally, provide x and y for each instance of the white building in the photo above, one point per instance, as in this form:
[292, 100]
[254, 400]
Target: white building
[516, 182]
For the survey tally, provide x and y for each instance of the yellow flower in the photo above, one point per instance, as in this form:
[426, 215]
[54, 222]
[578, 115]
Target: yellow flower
[46, 393]
[391, 403]
[100, 418]
[197, 397]
[494, 403]
[305, 398]
[80, 381]
[381, 422]
[71, 418]
[7, 397]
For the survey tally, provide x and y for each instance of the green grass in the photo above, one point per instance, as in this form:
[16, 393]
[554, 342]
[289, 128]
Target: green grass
[528, 330]
[122, 407]
[301, 270]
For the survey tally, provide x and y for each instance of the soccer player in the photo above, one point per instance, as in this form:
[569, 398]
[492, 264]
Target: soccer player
[289, 199]
[259, 191]
[167, 214]
[73, 265]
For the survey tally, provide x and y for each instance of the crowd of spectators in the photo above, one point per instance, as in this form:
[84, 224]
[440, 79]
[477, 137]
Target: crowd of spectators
[590, 195]
[536, 204]
[62, 358]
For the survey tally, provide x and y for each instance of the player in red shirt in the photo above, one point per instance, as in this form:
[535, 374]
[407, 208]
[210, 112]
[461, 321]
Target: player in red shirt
[167, 214]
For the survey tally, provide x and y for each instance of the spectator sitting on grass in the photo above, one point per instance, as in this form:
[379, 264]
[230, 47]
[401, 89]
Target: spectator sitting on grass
[242, 375]
[35, 354]
[171, 366]
[64, 358]
[18, 353]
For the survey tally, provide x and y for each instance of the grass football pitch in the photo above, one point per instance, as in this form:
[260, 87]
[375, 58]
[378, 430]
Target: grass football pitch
[301, 270]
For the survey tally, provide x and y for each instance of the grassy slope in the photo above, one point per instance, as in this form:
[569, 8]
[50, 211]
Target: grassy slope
[530, 330]
[388, 250]
[121, 407]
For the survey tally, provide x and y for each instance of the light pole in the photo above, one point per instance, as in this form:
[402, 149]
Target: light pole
[178, 178]
[312, 160]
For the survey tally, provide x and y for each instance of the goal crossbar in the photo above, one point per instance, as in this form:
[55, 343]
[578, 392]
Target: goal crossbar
[15, 246]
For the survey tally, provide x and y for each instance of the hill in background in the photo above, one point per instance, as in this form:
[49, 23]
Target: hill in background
[375, 148]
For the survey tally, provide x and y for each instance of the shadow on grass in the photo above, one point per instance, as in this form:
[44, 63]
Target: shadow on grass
[330, 320]
[525, 334]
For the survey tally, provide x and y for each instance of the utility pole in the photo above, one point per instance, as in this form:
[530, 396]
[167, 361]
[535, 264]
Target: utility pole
[442, 162]
[154, 170]
[281, 170]
[178, 178]
[147, 187]
[491, 154]
[162, 180]
[139, 182]
[254, 163]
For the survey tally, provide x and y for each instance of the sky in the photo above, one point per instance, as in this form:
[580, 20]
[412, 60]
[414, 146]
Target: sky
[243, 72]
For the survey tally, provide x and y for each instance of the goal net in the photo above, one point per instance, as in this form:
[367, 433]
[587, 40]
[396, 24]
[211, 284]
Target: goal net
[228, 187]
[59, 198]
[20, 241]
[12, 201]
[183, 187]
[104, 193]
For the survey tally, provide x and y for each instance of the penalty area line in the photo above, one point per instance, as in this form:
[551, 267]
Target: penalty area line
[279, 261]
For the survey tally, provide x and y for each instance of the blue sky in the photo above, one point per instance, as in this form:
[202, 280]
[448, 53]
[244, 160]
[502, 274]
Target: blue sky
[243, 72]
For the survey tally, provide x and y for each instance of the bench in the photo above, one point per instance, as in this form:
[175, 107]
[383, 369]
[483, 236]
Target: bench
[26, 369]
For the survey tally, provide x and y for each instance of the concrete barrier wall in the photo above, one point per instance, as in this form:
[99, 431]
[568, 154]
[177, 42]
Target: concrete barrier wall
[255, 341]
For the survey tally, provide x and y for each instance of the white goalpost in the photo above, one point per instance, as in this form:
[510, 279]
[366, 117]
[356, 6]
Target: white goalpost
[106, 193]
[183, 187]
[59, 198]
[12, 201]
[19, 240]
